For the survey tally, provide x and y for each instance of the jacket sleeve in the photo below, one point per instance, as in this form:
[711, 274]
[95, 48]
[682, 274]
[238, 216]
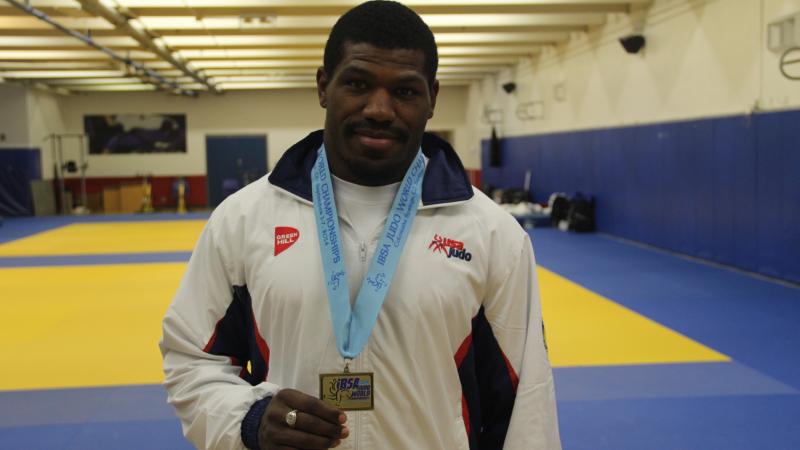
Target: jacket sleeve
[209, 383]
[524, 418]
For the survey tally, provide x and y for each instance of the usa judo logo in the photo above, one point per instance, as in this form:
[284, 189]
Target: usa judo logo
[449, 247]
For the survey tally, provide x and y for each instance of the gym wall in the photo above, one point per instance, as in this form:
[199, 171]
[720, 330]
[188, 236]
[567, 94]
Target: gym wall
[689, 145]
[283, 116]
[725, 189]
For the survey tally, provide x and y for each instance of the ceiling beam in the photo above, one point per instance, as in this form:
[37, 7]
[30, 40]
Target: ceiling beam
[61, 42]
[322, 24]
[144, 73]
[443, 40]
[211, 8]
[141, 35]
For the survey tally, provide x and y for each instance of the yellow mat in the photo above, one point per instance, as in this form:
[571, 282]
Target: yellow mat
[116, 237]
[82, 326]
[586, 329]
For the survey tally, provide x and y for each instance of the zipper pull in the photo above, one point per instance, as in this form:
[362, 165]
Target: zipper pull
[363, 251]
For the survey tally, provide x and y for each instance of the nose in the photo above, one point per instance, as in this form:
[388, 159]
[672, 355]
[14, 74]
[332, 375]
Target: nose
[379, 106]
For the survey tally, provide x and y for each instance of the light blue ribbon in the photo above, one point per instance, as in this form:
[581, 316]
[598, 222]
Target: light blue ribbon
[353, 326]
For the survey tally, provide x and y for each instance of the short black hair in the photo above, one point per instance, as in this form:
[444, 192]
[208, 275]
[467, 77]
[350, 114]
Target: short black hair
[384, 24]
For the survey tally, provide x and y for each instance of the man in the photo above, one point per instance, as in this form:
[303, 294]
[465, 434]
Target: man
[363, 273]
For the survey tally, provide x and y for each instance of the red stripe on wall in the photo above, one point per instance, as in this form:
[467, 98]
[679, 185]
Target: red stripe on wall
[162, 193]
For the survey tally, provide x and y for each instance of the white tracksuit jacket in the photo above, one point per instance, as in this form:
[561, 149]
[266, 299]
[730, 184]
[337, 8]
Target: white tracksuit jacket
[458, 354]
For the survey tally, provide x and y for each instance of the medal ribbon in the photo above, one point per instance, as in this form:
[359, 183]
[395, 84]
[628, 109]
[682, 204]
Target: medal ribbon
[353, 326]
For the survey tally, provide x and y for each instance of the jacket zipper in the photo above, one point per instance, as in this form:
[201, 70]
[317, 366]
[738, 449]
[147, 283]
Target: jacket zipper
[362, 252]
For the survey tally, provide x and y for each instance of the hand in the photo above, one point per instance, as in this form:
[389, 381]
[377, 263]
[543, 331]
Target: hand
[318, 426]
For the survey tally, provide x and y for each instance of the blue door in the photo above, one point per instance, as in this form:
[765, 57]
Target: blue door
[233, 162]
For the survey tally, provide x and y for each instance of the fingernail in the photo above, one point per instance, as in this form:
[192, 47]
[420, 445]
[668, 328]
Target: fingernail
[345, 432]
[336, 443]
[342, 418]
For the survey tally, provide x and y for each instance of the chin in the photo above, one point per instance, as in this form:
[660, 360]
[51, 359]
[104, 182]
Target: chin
[374, 172]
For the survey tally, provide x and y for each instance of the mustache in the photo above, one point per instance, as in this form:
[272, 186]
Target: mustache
[368, 128]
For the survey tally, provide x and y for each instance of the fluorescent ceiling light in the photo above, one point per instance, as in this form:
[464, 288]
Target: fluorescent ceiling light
[488, 50]
[443, 39]
[50, 55]
[270, 85]
[77, 81]
[254, 53]
[244, 40]
[115, 87]
[325, 22]
[60, 73]
[511, 20]
[500, 37]
[42, 65]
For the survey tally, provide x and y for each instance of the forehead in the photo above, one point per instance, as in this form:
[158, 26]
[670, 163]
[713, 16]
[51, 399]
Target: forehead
[366, 57]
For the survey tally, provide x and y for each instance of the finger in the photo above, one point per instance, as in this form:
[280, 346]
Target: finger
[312, 405]
[313, 424]
[300, 439]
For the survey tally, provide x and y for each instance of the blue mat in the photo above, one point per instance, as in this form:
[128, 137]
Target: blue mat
[756, 322]
[749, 403]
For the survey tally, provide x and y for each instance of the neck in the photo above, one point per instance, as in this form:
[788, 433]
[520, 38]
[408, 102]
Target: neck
[381, 176]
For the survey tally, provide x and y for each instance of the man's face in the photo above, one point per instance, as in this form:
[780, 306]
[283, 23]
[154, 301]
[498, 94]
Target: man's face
[377, 104]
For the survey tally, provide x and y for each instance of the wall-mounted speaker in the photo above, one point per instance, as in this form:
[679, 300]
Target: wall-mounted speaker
[632, 43]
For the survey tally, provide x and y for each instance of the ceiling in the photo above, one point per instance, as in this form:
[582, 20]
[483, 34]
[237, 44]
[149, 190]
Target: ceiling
[192, 46]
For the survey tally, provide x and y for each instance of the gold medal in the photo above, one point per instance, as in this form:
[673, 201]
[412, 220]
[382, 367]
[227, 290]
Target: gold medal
[348, 391]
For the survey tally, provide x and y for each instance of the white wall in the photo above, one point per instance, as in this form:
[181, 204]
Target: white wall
[703, 58]
[777, 92]
[45, 117]
[284, 116]
[13, 116]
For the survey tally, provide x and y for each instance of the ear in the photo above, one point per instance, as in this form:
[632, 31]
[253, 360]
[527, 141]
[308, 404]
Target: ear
[322, 86]
[434, 93]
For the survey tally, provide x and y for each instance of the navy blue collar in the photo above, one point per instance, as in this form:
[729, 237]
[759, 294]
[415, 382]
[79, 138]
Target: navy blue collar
[445, 179]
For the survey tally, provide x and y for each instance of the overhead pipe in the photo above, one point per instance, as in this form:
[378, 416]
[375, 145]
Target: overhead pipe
[123, 22]
[140, 70]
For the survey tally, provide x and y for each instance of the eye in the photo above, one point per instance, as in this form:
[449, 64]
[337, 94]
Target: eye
[406, 92]
[356, 84]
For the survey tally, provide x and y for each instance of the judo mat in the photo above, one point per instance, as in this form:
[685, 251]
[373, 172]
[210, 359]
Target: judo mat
[650, 350]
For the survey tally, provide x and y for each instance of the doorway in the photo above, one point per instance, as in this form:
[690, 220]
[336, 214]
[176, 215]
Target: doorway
[233, 162]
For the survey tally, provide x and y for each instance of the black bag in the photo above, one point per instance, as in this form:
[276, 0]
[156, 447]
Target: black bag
[515, 195]
[559, 209]
[581, 213]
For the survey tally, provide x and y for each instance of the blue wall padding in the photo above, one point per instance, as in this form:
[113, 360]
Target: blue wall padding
[17, 168]
[723, 189]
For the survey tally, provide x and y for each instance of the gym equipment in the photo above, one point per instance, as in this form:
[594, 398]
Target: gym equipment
[62, 167]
